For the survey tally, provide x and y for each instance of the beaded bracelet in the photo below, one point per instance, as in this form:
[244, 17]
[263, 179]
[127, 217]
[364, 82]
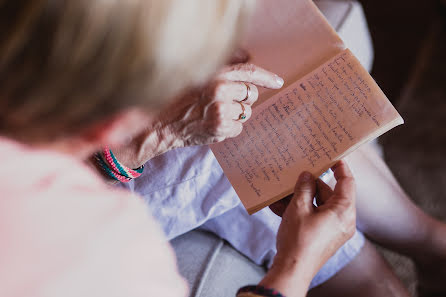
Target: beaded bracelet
[251, 291]
[117, 171]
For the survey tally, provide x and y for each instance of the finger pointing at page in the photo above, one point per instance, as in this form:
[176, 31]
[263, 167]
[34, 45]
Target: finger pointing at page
[251, 74]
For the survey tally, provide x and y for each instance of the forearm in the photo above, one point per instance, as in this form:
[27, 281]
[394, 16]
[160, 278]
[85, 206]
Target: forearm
[158, 139]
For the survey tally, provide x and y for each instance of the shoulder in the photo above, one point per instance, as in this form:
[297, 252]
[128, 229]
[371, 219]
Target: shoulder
[67, 229]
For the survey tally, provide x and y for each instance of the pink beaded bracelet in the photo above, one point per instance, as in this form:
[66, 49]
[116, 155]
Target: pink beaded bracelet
[113, 168]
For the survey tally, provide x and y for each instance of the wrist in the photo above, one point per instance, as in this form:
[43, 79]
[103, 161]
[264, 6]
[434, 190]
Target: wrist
[112, 168]
[290, 276]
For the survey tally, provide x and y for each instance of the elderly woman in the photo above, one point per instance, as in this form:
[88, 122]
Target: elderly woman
[200, 196]
[76, 76]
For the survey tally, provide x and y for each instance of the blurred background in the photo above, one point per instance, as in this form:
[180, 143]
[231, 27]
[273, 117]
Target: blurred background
[409, 39]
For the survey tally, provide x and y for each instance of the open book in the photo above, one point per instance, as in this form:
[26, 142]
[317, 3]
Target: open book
[329, 106]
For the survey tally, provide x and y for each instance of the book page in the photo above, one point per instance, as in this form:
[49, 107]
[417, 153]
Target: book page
[289, 38]
[307, 126]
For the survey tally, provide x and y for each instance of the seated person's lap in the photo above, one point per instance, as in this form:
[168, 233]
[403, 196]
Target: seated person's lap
[186, 189]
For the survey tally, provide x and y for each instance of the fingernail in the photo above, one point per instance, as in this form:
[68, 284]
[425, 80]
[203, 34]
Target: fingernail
[306, 176]
[279, 81]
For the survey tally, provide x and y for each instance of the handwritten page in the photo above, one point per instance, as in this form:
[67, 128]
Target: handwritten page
[307, 126]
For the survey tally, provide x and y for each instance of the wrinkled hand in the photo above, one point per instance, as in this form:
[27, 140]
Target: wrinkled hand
[213, 114]
[308, 236]
[202, 116]
[319, 231]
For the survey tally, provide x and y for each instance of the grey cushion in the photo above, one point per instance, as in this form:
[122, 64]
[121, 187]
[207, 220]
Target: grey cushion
[211, 266]
[348, 19]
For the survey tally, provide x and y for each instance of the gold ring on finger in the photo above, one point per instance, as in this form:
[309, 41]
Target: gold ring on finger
[242, 116]
[248, 92]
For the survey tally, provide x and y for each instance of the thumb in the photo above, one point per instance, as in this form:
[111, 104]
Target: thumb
[304, 193]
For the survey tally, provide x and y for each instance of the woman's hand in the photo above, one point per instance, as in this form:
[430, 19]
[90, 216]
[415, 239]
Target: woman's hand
[216, 113]
[308, 236]
[202, 116]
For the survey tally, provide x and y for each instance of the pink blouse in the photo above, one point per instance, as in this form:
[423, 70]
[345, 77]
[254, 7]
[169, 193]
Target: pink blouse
[64, 233]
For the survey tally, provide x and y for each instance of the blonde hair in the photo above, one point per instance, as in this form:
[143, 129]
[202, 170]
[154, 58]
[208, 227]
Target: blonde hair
[65, 64]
